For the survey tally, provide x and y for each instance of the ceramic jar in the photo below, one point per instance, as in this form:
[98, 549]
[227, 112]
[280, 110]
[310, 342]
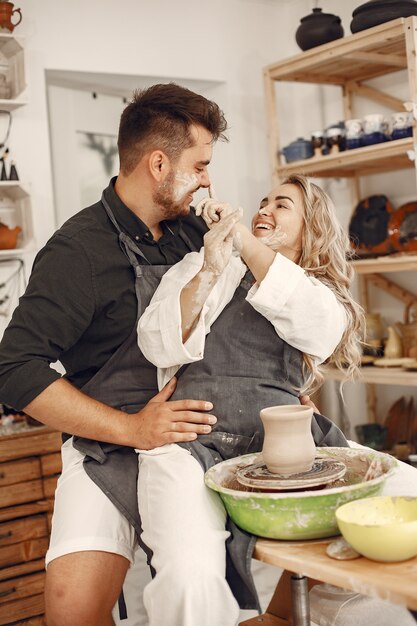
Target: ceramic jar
[380, 11]
[8, 236]
[288, 445]
[318, 28]
[334, 139]
[374, 334]
[317, 141]
[401, 125]
[6, 15]
[354, 132]
[393, 345]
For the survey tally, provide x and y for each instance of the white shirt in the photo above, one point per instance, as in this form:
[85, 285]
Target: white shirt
[304, 312]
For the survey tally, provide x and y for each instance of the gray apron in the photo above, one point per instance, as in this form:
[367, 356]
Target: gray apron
[246, 367]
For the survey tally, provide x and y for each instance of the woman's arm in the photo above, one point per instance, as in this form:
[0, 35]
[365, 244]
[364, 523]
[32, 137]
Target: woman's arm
[218, 246]
[160, 334]
[302, 309]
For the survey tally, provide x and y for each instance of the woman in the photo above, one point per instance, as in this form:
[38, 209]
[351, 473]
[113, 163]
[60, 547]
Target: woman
[250, 332]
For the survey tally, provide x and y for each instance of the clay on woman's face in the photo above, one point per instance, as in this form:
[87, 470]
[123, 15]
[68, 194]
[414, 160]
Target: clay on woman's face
[279, 222]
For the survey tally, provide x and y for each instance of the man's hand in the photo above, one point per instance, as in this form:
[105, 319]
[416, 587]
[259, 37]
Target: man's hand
[161, 422]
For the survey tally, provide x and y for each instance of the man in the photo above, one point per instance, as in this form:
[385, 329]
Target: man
[88, 286]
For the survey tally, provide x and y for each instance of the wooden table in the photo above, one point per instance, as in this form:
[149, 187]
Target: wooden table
[394, 582]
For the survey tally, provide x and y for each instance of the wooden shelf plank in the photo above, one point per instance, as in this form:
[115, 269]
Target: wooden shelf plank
[378, 375]
[382, 157]
[390, 263]
[334, 62]
[395, 582]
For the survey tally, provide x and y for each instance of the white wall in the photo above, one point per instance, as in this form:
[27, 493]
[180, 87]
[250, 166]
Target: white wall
[226, 43]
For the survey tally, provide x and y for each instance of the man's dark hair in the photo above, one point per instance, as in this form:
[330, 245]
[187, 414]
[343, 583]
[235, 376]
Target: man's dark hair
[160, 118]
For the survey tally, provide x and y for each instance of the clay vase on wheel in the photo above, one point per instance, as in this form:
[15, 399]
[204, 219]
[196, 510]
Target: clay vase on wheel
[288, 444]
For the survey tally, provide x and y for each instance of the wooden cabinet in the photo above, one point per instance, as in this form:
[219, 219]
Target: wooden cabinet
[30, 463]
[349, 63]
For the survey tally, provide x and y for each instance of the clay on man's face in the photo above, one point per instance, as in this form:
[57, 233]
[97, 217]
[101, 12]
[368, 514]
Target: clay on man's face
[279, 222]
[187, 175]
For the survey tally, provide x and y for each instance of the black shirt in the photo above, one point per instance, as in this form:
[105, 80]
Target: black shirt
[80, 303]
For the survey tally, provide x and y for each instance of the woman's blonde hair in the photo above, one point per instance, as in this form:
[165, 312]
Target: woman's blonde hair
[325, 254]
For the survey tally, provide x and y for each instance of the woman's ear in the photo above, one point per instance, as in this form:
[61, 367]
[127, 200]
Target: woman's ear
[159, 165]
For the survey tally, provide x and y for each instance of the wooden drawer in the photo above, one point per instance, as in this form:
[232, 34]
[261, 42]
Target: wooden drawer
[21, 492]
[34, 443]
[49, 486]
[24, 510]
[23, 529]
[38, 565]
[19, 471]
[32, 621]
[25, 551]
[18, 588]
[11, 612]
[51, 464]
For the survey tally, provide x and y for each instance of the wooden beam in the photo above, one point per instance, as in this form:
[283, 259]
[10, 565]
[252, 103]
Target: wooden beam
[392, 288]
[374, 57]
[376, 95]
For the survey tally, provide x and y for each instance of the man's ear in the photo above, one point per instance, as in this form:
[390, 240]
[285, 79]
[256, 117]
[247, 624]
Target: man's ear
[159, 165]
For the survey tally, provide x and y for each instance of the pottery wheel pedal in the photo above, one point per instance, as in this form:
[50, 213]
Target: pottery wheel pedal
[259, 477]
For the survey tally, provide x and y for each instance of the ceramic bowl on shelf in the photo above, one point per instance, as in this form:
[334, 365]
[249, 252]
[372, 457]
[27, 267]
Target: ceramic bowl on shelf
[382, 528]
[298, 150]
[377, 12]
[297, 515]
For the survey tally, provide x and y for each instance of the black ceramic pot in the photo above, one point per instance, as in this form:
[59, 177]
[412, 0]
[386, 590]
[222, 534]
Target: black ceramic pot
[318, 28]
[380, 11]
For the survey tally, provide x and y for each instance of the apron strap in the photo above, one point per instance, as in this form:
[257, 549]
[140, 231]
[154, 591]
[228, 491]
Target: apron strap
[122, 606]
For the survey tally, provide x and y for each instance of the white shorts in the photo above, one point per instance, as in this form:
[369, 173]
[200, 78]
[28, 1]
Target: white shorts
[84, 518]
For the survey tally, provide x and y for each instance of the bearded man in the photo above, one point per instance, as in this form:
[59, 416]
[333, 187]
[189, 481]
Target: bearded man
[88, 287]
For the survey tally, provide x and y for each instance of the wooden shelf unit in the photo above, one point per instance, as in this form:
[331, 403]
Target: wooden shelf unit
[349, 63]
[383, 157]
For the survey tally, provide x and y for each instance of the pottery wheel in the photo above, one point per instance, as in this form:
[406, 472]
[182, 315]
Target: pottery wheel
[259, 477]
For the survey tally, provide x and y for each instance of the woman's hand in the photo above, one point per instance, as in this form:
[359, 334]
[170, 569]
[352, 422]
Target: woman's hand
[218, 243]
[212, 210]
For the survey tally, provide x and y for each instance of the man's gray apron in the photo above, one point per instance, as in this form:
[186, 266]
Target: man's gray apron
[246, 367]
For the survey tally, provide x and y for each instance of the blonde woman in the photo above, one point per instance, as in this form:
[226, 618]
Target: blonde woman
[250, 330]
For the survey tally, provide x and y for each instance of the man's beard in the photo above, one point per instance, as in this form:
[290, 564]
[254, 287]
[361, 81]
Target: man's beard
[164, 198]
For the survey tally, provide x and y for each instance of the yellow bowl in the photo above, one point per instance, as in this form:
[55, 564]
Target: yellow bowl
[382, 528]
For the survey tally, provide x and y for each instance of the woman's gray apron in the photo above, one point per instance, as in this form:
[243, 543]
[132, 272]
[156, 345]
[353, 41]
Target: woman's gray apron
[246, 367]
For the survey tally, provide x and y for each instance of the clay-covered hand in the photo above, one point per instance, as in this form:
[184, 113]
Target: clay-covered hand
[211, 209]
[218, 243]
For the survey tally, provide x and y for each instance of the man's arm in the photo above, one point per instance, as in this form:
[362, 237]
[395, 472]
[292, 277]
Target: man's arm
[45, 325]
[65, 408]
[218, 245]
